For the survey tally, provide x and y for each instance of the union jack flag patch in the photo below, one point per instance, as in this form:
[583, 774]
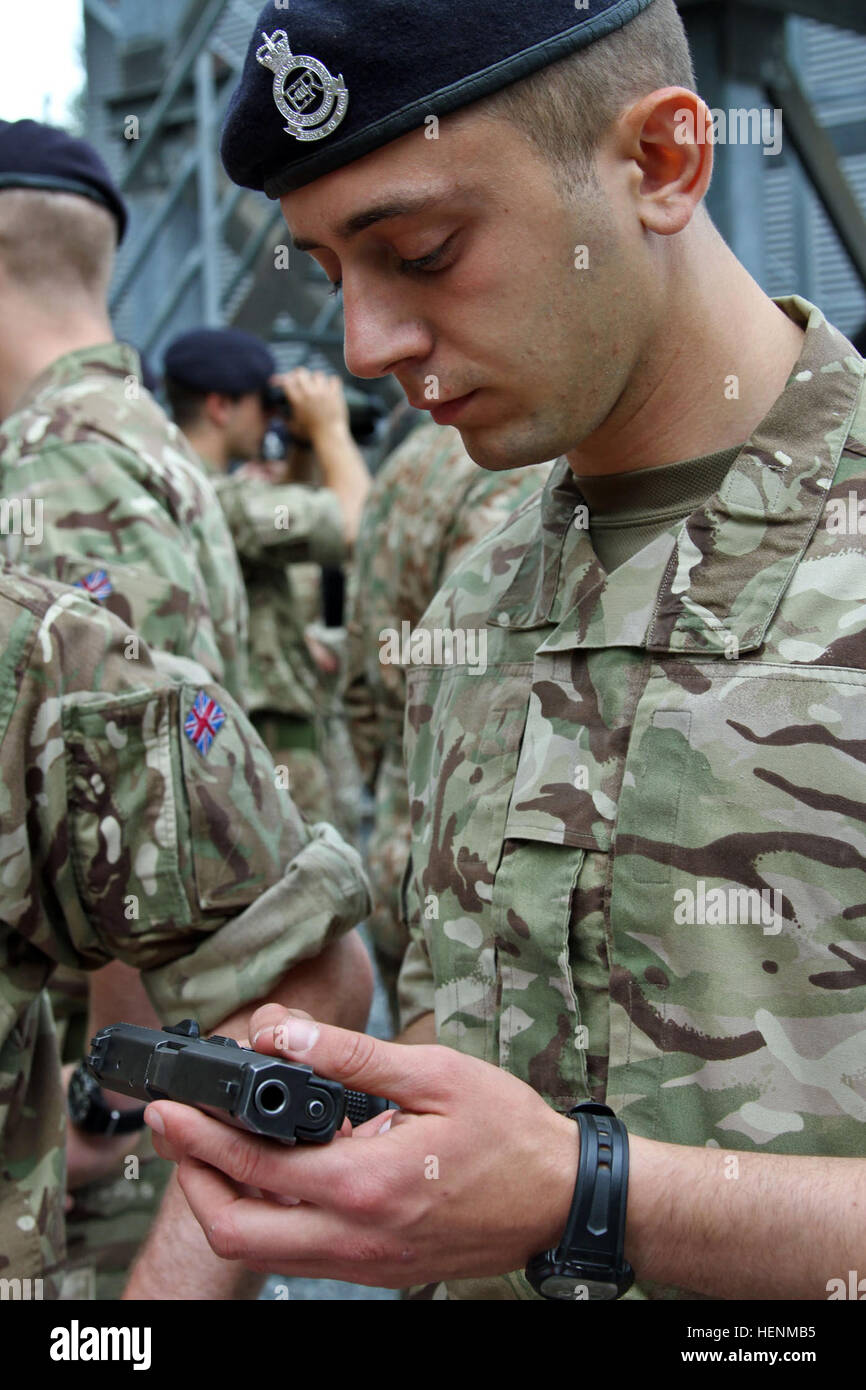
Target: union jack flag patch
[97, 584]
[204, 722]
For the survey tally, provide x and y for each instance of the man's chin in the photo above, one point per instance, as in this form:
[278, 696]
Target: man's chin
[498, 454]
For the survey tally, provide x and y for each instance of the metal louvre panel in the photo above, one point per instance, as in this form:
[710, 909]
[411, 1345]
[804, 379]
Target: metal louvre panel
[235, 26]
[781, 263]
[833, 65]
[803, 251]
[839, 291]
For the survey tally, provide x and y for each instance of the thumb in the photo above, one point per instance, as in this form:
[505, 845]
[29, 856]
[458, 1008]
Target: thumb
[265, 1019]
[413, 1076]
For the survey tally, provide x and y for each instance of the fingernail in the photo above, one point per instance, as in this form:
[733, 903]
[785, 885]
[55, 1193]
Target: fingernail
[254, 1039]
[154, 1120]
[383, 1129]
[296, 1035]
[288, 1201]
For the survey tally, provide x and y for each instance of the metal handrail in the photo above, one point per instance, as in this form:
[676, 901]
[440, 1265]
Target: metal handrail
[152, 122]
[190, 266]
[99, 11]
[153, 227]
[250, 254]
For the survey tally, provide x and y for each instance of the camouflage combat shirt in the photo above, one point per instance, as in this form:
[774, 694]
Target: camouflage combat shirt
[124, 509]
[429, 504]
[136, 824]
[274, 527]
[638, 839]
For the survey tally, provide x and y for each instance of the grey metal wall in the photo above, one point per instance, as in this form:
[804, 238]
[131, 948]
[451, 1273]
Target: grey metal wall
[766, 206]
[803, 251]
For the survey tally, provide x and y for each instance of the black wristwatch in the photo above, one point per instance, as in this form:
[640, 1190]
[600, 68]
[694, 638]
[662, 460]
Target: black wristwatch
[90, 1112]
[589, 1262]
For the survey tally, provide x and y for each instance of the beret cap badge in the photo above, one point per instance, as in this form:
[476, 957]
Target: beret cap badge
[313, 101]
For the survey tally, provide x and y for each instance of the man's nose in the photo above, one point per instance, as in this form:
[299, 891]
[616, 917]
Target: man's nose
[380, 333]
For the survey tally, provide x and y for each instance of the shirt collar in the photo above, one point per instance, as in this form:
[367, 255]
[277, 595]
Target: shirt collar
[106, 359]
[732, 560]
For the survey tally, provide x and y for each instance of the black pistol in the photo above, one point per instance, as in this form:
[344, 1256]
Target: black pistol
[265, 1095]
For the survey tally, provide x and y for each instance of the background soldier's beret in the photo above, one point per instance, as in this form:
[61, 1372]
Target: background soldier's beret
[399, 61]
[33, 155]
[220, 359]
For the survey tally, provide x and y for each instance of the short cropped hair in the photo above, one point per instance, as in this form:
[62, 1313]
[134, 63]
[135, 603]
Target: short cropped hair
[57, 244]
[565, 109]
[186, 404]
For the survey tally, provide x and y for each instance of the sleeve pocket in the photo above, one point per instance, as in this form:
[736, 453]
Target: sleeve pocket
[123, 823]
[165, 614]
[244, 829]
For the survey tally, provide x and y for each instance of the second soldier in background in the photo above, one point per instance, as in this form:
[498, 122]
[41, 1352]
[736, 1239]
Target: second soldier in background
[216, 380]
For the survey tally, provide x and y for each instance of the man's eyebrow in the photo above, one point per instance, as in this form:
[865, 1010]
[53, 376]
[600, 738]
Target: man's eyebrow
[379, 212]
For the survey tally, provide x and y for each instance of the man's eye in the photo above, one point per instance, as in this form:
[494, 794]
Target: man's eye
[407, 267]
[426, 262]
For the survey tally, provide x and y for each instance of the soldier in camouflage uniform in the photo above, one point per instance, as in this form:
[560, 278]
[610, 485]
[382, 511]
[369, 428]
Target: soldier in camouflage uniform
[637, 834]
[117, 502]
[701, 809]
[428, 506]
[125, 513]
[214, 381]
[132, 830]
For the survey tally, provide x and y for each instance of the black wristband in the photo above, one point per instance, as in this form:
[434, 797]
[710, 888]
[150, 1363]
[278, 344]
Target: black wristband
[590, 1256]
[91, 1113]
[596, 1221]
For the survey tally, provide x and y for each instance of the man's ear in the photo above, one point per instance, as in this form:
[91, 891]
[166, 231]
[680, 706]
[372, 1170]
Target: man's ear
[666, 135]
[218, 408]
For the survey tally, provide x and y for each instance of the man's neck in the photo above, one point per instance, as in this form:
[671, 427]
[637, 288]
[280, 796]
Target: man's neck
[208, 442]
[33, 346]
[721, 358]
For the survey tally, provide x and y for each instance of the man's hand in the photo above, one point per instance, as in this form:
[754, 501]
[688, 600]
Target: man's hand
[318, 401]
[326, 660]
[274, 472]
[470, 1178]
[320, 411]
[176, 1256]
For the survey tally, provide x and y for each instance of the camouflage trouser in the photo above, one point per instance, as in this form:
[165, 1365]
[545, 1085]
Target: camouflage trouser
[110, 1222]
[387, 857]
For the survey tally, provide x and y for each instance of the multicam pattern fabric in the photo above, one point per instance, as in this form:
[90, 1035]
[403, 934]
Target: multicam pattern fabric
[430, 503]
[123, 513]
[118, 840]
[279, 530]
[273, 528]
[117, 484]
[687, 731]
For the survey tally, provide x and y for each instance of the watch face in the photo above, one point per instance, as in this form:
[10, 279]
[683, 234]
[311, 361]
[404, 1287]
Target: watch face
[82, 1089]
[572, 1289]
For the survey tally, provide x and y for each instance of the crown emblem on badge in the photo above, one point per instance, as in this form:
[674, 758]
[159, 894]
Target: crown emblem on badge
[312, 100]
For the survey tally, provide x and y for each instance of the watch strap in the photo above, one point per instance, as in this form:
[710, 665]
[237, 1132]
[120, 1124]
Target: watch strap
[100, 1117]
[591, 1252]
[595, 1230]
[123, 1121]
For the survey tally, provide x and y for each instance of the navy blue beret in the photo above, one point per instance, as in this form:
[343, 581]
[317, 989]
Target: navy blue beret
[328, 81]
[33, 155]
[220, 359]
